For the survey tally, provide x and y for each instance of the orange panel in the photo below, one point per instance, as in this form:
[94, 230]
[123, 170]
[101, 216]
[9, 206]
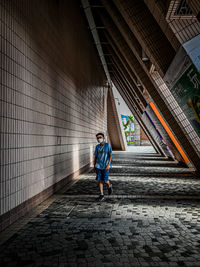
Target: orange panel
[185, 158]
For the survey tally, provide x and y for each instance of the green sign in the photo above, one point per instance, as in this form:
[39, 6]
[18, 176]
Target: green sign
[186, 91]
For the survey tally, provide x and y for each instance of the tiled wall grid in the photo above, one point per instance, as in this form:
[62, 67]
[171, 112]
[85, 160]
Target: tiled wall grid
[178, 29]
[184, 28]
[48, 117]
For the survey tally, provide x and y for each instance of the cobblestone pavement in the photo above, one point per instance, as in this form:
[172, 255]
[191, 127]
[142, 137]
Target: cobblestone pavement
[133, 174]
[78, 230]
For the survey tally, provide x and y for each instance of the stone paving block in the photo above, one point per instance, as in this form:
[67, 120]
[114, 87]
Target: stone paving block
[120, 231]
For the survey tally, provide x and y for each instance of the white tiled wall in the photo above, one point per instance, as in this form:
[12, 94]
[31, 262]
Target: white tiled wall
[51, 100]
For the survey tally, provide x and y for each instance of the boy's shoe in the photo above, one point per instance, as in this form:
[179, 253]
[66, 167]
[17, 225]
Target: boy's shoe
[110, 190]
[101, 197]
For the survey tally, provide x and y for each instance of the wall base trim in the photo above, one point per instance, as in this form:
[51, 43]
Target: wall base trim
[11, 216]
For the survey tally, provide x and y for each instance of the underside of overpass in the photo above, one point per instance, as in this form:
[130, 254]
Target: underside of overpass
[60, 63]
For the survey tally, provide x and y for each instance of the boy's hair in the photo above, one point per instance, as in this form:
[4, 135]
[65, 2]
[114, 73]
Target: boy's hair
[100, 134]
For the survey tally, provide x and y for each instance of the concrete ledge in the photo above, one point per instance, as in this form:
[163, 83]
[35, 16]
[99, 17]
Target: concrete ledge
[11, 216]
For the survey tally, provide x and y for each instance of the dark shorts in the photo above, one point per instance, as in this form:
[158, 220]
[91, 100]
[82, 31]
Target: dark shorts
[102, 175]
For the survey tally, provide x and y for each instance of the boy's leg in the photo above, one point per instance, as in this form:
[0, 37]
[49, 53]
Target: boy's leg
[107, 182]
[110, 189]
[106, 177]
[101, 187]
[100, 182]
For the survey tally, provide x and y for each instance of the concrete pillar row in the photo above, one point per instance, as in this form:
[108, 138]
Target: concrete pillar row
[116, 55]
[157, 79]
[148, 32]
[141, 91]
[116, 18]
[129, 101]
[123, 82]
[131, 104]
[129, 83]
[129, 38]
[160, 16]
[152, 88]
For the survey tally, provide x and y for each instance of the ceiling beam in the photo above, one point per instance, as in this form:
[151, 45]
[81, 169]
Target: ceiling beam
[93, 28]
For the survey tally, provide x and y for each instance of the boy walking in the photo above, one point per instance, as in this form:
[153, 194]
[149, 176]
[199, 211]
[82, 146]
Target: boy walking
[102, 164]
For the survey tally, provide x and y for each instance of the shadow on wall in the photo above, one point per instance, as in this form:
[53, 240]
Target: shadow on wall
[56, 69]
